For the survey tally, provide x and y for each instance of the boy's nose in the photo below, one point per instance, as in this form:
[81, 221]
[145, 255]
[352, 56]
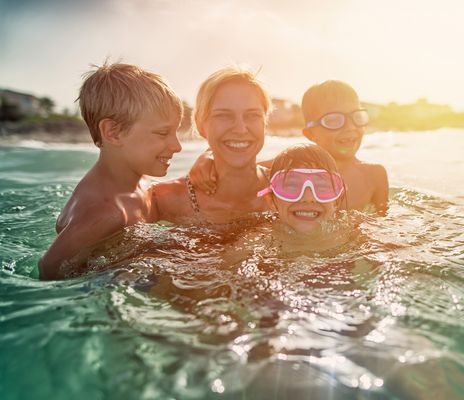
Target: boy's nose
[175, 145]
[349, 124]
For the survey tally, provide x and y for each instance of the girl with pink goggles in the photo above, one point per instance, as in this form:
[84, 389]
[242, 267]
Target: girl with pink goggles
[290, 185]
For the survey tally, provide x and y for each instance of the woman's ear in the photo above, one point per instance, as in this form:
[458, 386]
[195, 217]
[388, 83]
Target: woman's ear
[110, 131]
[201, 132]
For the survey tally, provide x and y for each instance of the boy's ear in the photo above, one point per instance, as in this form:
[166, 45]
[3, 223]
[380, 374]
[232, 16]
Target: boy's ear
[307, 132]
[110, 131]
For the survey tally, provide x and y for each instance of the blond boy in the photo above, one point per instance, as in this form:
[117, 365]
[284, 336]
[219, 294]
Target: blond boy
[132, 116]
[336, 121]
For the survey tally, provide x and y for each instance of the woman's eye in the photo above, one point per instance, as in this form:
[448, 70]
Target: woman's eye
[223, 116]
[254, 116]
[161, 133]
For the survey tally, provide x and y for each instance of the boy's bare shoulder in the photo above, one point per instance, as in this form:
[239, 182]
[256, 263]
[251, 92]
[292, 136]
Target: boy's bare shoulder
[90, 209]
[84, 221]
[374, 171]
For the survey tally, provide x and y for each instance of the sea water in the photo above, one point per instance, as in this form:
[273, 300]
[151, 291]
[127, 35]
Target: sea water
[382, 319]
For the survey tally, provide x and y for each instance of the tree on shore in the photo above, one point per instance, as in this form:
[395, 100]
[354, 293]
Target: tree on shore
[47, 105]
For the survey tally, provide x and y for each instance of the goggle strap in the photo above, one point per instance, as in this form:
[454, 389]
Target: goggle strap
[310, 124]
[261, 193]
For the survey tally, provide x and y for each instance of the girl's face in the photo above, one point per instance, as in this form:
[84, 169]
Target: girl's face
[305, 215]
[235, 125]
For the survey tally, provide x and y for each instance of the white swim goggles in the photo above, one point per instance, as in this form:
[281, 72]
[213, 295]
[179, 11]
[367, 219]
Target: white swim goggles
[336, 120]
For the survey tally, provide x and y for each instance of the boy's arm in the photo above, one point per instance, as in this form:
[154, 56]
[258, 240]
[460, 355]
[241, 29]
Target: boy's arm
[266, 163]
[203, 174]
[82, 232]
[380, 196]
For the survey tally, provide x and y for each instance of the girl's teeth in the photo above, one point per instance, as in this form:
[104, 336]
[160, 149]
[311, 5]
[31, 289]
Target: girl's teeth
[238, 145]
[307, 214]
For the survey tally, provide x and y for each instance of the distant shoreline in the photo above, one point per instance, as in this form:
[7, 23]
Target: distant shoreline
[64, 131]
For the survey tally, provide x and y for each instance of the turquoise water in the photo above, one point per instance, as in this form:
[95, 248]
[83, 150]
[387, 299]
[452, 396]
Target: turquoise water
[383, 319]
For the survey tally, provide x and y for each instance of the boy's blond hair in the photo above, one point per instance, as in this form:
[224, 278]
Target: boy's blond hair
[123, 92]
[332, 90]
[211, 85]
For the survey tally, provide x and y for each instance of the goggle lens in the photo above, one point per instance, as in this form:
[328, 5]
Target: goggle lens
[333, 121]
[290, 185]
[337, 120]
[360, 117]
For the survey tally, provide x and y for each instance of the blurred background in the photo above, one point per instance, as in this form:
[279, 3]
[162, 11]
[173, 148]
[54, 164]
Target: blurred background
[403, 58]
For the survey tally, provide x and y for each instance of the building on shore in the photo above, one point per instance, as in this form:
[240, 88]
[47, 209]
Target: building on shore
[15, 105]
[285, 115]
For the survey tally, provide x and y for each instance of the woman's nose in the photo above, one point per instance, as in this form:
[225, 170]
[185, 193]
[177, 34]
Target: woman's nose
[240, 124]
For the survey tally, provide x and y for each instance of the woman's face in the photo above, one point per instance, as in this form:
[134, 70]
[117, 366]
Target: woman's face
[235, 124]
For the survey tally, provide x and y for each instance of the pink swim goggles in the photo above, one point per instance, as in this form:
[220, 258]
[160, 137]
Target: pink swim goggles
[290, 185]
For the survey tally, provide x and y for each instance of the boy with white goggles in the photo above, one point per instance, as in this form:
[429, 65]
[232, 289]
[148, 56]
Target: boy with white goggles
[335, 120]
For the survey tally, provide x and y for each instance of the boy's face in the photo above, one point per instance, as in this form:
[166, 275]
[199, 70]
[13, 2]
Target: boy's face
[235, 125]
[304, 216]
[342, 144]
[150, 143]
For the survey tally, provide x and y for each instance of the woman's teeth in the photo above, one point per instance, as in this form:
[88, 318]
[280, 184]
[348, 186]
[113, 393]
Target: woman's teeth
[237, 145]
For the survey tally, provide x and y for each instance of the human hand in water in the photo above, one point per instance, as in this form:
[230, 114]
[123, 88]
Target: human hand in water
[203, 173]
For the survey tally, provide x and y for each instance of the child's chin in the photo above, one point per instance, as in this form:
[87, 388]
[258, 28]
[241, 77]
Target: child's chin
[308, 229]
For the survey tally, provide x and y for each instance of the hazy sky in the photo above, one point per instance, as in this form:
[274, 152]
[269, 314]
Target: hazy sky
[396, 50]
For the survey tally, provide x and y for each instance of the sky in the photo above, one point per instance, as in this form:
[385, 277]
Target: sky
[396, 50]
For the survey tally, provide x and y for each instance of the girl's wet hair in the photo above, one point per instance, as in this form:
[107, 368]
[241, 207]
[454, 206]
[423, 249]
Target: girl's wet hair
[306, 156]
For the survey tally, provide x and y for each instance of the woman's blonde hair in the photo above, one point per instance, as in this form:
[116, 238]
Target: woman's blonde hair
[123, 92]
[211, 85]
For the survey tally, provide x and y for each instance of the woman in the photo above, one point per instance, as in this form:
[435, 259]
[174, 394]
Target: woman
[230, 113]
